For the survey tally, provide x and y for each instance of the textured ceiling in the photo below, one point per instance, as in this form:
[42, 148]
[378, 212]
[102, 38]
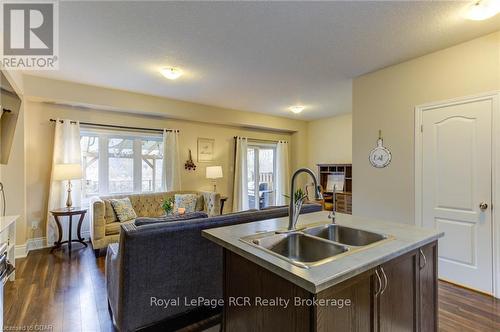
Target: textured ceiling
[252, 56]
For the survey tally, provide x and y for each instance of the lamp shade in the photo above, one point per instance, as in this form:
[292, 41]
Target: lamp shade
[214, 172]
[67, 172]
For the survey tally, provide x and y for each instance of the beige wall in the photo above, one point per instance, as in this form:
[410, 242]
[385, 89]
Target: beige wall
[330, 140]
[13, 177]
[41, 89]
[39, 144]
[26, 177]
[12, 174]
[385, 100]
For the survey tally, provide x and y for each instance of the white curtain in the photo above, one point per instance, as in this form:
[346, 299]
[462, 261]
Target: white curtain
[171, 173]
[282, 173]
[66, 151]
[240, 194]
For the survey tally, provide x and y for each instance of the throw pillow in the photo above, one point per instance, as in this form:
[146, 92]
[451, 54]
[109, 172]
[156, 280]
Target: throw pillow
[123, 209]
[177, 217]
[187, 201]
[109, 215]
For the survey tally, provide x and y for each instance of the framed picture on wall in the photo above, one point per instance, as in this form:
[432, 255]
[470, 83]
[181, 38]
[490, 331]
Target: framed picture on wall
[206, 149]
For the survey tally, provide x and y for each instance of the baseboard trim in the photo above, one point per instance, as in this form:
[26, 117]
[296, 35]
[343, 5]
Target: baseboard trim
[36, 243]
[22, 250]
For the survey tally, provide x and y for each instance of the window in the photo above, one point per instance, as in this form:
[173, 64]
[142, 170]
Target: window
[261, 162]
[119, 162]
[152, 164]
[90, 164]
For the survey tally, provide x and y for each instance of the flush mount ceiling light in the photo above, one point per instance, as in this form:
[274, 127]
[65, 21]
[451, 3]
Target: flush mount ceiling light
[171, 73]
[482, 10]
[296, 109]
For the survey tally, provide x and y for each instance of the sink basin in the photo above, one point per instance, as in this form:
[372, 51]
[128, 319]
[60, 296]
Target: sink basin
[345, 235]
[298, 248]
[315, 245]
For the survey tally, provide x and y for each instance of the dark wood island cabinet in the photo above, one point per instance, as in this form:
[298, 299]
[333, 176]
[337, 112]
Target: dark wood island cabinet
[396, 296]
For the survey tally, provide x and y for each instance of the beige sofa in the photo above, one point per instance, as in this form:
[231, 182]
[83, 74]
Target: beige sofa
[105, 227]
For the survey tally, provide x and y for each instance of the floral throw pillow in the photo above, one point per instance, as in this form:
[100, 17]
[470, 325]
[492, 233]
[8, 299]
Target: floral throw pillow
[123, 209]
[187, 201]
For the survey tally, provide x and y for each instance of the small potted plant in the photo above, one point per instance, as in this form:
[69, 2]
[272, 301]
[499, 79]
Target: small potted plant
[168, 205]
[299, 196]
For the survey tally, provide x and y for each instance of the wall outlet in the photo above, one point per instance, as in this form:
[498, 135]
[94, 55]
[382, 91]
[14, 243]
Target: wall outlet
[35, 224]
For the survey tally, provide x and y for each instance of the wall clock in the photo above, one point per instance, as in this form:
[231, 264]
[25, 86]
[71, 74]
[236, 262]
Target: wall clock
[380, 156]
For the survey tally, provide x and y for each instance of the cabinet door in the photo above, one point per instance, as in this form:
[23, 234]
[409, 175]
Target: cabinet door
[348, 204]
[397, 303]
[244, 282]
[340, 203]
[356, 317]
[427, 293]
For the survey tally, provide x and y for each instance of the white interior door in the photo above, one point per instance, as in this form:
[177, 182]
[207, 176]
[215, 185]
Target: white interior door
[456, 185]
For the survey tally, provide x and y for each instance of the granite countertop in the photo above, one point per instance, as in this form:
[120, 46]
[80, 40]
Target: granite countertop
[317, 278]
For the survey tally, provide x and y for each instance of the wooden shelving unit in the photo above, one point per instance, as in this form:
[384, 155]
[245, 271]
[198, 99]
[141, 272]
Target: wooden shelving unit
[343, 199]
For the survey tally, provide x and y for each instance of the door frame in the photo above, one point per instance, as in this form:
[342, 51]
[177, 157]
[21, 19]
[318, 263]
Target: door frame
[494, 97]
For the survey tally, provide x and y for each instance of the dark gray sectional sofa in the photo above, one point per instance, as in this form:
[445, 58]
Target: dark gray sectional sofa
[169, 260]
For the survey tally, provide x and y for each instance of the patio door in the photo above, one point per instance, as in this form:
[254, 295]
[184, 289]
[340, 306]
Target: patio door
[261, 175]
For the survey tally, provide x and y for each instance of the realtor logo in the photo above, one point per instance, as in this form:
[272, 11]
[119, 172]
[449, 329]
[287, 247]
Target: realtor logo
[29, 35]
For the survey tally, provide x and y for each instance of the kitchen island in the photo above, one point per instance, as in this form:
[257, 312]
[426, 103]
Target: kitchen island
[276, 282]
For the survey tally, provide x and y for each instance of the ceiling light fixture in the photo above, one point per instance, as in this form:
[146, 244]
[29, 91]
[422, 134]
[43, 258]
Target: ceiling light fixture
[296, 109]
[482, 10]
[171, 73]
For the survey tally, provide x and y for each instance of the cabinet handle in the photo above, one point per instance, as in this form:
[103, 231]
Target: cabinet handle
[425, 259]
[385, 280]
[379, 283]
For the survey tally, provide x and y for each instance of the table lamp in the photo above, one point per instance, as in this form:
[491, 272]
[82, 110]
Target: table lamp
[68, 172]
[214, 173]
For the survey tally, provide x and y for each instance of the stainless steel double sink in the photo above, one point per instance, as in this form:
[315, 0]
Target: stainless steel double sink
[315, 245]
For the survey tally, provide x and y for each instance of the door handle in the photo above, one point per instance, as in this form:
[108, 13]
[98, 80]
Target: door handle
[425, 259]
[379, 283]
[483, 206]
[385, 280]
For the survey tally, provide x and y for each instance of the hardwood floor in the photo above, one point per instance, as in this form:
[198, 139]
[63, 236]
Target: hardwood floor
[58, 293]
[464, 310]
[55, 290]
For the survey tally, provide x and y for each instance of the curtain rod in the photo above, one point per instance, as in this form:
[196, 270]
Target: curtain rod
[262, 140]
[118, 127]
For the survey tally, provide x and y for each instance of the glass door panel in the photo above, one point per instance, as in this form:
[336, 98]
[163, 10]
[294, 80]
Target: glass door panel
[266, 177]
[261, 172]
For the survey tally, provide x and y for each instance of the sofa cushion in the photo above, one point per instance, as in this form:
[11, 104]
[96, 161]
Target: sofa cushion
[148, 205]
[123, 209]
[187, 201]
[175, 217]
[114, 228]
[200, 203]
[109, 213]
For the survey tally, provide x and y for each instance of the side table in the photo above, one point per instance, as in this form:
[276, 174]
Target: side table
[69, 212]
[223, 200]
